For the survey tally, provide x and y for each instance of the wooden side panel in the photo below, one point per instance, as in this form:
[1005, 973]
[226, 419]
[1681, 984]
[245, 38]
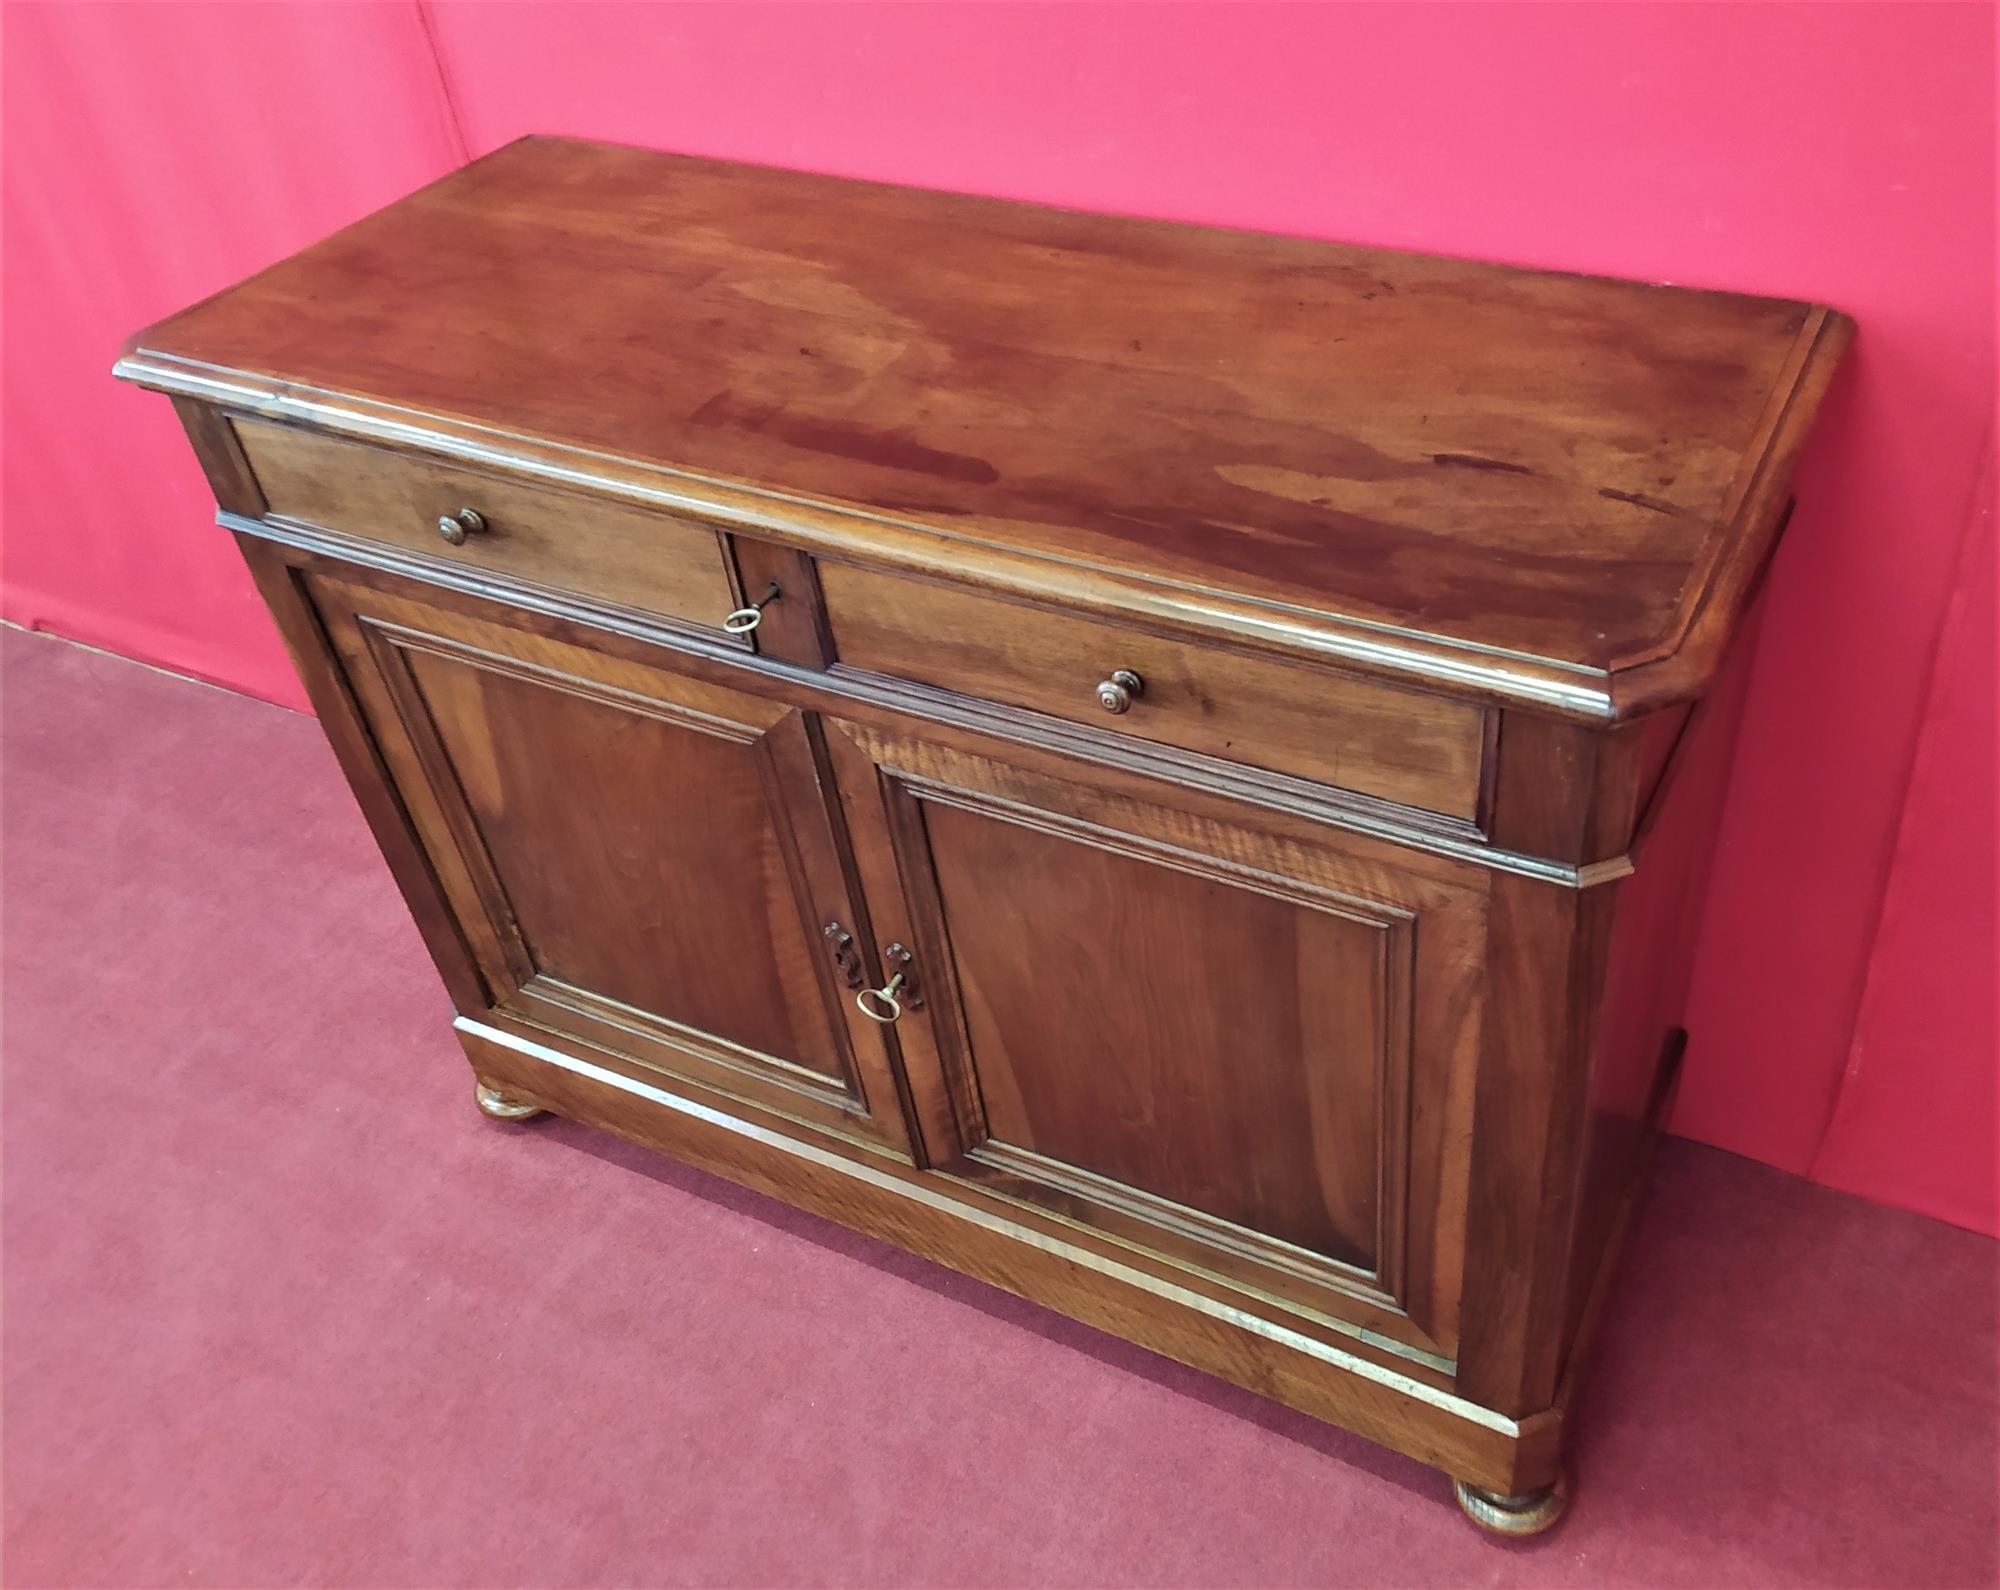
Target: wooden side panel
[1567, 791]
[1649, 960]
[212, 434]
[1585, 993]
[1544, 950]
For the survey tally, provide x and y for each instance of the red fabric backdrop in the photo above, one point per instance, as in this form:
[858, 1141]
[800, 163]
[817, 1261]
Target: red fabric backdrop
[1843, 1011]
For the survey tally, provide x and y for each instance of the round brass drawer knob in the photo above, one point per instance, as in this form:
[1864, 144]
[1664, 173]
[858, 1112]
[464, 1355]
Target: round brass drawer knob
[455, 527]
[1116, 693]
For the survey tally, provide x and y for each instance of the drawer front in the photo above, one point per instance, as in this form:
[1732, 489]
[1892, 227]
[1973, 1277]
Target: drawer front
[652, 562]
[1397, 745]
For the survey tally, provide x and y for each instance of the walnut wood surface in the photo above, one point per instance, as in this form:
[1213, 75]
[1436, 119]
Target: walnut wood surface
[651, 561]
[1308, 1023]
[1552, 467]
[1249, 1049]
[1227, 1055]
[1418, 749]
[632, 857]
[1344, 1383]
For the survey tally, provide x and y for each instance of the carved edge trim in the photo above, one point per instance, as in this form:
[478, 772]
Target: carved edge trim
[1487, 673]
[1684, 662]
[837, 684]
[1379, 1286]
[936, 1197]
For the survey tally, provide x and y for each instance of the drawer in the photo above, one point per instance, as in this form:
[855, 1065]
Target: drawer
[1398, 745]
[653, 562]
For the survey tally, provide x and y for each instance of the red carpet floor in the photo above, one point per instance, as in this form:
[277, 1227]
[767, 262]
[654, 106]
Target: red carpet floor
[281, 1308]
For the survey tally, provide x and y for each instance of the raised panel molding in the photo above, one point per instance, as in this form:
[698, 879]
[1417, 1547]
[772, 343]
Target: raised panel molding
[1129, 798]
[1380, 1281]
[1403, 1287]
[395, 650]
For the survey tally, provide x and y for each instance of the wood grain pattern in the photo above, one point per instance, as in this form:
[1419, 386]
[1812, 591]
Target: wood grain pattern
[1308, 1021]
[1418, 750]
[1240, 1051]
[1174, 1033]
[283, 586]
[794, 624]
[666, 566]
[215, 442]
[1560, 789]
[1544, 969]
[915, 1211]
[1405, 832]
[632, 857]
[1553, 467]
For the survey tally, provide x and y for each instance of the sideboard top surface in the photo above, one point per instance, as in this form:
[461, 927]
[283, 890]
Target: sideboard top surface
[1575, 473]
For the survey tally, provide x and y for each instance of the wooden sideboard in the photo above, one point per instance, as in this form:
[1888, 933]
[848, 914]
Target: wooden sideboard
[1158, 767]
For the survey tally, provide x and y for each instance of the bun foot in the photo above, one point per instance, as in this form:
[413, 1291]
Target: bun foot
[500, 1107]
[1528, 1514]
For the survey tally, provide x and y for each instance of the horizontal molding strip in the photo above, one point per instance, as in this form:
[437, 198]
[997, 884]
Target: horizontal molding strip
[1382, 650]
[1015, 724]
[916, 1190]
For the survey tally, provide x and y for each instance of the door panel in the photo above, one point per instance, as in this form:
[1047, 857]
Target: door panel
[683, 910]
[1110, 952]
[1243, 1050]
[635, 858]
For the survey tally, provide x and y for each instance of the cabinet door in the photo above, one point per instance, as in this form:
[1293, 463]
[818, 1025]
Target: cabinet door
[632, 857]
[1240, 1043]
